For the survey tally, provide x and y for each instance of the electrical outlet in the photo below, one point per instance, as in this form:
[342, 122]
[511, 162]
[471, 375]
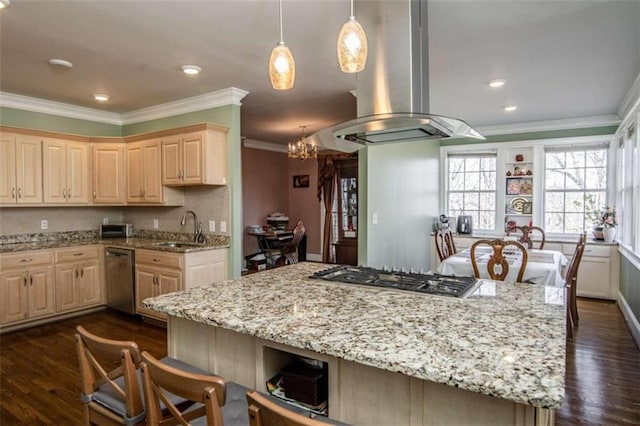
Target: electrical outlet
[155, 224]
[212, 226]
[223, 226]
[44, 224]
[105, 220]
[374, 219]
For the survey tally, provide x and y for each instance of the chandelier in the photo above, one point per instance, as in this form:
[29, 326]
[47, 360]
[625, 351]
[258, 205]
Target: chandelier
[301, 149]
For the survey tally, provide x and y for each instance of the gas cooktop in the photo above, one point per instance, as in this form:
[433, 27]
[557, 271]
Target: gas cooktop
[443, 285]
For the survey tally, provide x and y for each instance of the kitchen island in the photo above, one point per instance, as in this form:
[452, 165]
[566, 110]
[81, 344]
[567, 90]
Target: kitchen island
[394, 357]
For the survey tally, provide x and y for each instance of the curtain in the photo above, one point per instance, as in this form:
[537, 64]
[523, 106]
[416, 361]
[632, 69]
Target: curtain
[326, 187]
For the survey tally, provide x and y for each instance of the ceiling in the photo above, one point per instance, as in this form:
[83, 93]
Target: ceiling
[561, 59]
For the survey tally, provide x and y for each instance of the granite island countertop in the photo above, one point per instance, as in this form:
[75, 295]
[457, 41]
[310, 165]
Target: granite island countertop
[506, 340]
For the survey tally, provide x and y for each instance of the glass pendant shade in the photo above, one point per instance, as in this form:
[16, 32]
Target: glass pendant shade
[282, 68]
[352, 47]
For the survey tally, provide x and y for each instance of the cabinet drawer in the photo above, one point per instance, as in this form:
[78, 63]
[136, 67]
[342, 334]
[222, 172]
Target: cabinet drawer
[73, 254]
[26, 259]
[597, 251]
[152, 257]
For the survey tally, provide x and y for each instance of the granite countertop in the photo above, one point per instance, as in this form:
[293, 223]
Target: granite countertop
[506, 340]
[70, 239]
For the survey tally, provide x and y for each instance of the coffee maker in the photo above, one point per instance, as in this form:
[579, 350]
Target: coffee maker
[464, 225]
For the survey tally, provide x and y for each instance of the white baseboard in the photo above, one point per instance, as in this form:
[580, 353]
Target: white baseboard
[631, 319]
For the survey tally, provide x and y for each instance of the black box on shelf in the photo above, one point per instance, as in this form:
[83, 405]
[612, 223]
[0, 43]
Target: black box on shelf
[305, 383]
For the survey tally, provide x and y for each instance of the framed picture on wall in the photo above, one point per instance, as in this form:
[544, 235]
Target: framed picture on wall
[301, 181]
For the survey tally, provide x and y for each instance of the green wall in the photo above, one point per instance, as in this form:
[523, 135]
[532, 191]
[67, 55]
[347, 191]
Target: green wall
[554, 134]
[219, 115]
[56, 123]
[630, 285]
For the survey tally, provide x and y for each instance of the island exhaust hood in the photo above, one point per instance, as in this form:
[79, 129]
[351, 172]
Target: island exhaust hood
[393, 89]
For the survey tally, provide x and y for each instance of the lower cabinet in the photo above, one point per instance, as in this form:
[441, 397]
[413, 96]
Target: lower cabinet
[78, 283]
[159, 272]
[26, 286]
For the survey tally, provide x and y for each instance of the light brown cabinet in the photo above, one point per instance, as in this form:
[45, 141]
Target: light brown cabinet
[65, 168]
[20, 169]
[78, 278]
[198, 158]
[26, 286]
[144, 176]
[109, 173]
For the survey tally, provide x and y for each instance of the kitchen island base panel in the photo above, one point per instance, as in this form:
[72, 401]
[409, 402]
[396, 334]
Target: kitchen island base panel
[358, 394]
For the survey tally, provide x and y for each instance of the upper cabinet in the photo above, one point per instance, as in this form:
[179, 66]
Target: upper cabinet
[65, 167]
[144, 176]
[198, 158]
[20, 169]
[109, 173]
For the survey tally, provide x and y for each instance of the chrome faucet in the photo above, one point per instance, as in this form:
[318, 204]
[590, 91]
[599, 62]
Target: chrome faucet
[197, 226]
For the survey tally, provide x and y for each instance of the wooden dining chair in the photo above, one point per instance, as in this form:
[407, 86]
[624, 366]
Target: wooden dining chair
[289, 250]
[444, 243]
[264, 412]
[526, 233]
[498, 259]
[571, 284]
[110, 386]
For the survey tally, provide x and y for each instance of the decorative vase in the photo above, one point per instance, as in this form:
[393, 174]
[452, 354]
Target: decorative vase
[609, 234]
[598, 232]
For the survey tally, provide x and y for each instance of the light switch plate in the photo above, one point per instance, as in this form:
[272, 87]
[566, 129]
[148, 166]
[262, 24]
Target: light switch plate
[374, 219]
[212, 226]
[155, 224]
[223, 226]
[44, 224]
[105, 220]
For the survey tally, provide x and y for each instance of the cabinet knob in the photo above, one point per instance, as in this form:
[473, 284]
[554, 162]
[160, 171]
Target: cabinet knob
[94, 194]
[29, 259]
[69, 194]
[76, 273]
[81, 272]
[80, 253]
[25, 280]
[31, 280]
[155, 259]
[13, 193]
[19, 192]
[64, 193]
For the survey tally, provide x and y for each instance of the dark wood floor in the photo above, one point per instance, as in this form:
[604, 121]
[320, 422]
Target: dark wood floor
[39, 380]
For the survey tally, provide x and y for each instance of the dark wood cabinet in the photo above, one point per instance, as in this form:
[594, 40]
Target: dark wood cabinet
[346, 245]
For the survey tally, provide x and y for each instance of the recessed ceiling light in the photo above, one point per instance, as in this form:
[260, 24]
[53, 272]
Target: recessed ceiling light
[101, 97]
[60, 63]
[510, 108]
[4, 3]
[497, 82]
[191, 69]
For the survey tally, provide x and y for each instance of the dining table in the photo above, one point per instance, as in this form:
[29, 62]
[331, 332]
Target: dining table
[543, 266]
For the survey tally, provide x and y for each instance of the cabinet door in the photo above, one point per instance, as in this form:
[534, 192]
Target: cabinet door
[152, 172]
[169, 281]
[593, 277]
[135, 170]
[172, 161]
[193, 158]
[67, 287]
[29, 169]
[109, 174]
[89, 284]
[8, 190]
[77, 173]
[145, 288]
[13, 296]
[41, 292]
[54, 168]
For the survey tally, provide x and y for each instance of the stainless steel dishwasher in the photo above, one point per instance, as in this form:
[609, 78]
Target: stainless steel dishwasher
[119, 264]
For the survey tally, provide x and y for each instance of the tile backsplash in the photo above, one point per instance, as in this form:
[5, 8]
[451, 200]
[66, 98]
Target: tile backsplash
[208, 202]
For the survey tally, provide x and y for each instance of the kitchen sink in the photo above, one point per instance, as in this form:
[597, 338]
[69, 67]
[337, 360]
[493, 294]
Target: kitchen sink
[179, 244]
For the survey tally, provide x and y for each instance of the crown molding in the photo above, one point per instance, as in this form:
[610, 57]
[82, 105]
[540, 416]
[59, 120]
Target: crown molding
[265, 146]
[631, 101]
[27, 103]
[550, 125]
[229, 96]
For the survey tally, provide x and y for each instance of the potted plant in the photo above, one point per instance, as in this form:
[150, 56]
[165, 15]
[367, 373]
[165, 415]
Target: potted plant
[605, 226]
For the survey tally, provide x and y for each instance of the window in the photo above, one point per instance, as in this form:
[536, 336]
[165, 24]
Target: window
[628, 189]
[575, 188]
[471, 188]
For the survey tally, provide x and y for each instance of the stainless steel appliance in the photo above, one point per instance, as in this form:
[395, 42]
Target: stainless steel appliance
[464, 225]
[116, 230]
[443, 285]
[119, 264]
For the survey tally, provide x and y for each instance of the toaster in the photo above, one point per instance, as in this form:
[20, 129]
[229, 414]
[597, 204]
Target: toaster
[116, 230]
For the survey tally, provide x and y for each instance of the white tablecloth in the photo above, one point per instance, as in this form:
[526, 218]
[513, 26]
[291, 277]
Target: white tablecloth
[543, 266]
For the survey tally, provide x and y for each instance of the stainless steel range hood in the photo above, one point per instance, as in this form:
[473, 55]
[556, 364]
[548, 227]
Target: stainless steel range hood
[393, 89]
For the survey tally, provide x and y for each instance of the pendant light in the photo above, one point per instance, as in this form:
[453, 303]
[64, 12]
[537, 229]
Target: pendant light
[282, 68]
[352, 46]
